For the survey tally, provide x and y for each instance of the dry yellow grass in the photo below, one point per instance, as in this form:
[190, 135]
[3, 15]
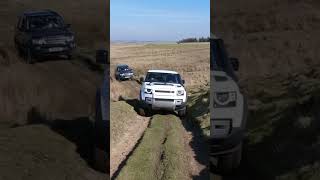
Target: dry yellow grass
[190, 60]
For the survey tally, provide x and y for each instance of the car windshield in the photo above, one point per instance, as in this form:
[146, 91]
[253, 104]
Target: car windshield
[123, 68]
[45, 22]
[163, 77]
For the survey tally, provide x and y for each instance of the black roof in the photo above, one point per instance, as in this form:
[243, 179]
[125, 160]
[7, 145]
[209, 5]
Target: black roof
[39, 13]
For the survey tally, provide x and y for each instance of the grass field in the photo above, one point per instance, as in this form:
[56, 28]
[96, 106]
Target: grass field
[191, 60]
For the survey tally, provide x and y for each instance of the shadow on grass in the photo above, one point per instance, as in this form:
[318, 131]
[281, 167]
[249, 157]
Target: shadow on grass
[198, 144]
[90, 63]
[289, 148]
[79, 131]
[135, 103]
[44, 59]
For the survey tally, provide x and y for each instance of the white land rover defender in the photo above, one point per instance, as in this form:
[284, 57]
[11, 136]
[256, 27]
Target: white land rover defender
[228, 111]
[163, 90]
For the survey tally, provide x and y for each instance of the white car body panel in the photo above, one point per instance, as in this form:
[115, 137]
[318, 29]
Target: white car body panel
[234, 113]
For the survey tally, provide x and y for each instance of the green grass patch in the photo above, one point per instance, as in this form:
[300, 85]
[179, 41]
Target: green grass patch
[160, 152]
[198, 109]
[283, 130]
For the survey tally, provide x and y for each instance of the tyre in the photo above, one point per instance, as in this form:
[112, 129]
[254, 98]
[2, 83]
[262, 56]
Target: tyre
[182, 112]
[143, 110]
[28, 56]
[230, 162]
[69, 56]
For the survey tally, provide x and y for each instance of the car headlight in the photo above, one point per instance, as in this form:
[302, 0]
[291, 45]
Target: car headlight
[180, 92]
[69, 38]
[225, 99]
[38, 41]
[121, 74]
[148, 91]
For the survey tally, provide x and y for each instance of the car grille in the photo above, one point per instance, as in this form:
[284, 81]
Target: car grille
[164, 91]
[56, 40]
[166, 100]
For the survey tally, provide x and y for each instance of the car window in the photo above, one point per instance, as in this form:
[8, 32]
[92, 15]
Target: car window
[45, 22]
[123, 67]
[163, 78]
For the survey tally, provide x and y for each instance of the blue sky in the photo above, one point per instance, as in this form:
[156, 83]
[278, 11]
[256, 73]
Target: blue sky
[159, 20]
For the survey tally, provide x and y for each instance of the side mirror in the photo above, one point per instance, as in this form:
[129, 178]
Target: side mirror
[102, 57]
[141, 79]
[183, 81]
[235, 63]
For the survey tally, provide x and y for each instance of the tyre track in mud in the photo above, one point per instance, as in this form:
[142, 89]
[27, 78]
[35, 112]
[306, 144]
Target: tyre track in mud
[129, 142]
[158, 154]
[189, 166]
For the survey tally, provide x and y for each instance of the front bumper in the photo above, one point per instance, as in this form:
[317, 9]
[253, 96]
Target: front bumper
[53, 49]
[126, 76]
[230, 143]
[165, 104]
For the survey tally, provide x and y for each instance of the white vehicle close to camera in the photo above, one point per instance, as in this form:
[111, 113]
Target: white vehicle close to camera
[228, 111]
[163, 90]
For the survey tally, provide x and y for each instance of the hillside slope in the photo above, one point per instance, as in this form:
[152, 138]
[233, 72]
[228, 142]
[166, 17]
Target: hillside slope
[46, 108]
[278, 47]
